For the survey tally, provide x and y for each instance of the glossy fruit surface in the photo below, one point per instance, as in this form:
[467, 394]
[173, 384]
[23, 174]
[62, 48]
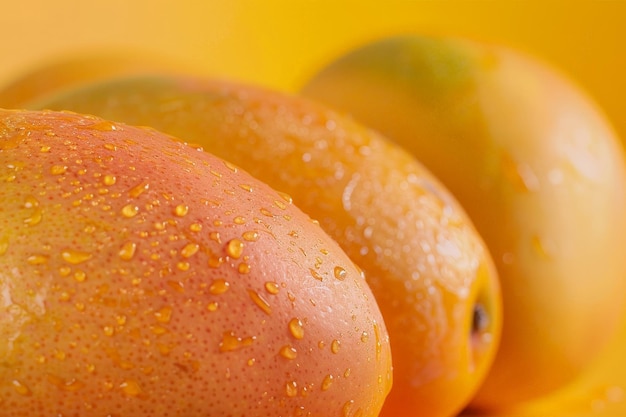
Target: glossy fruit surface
[432, 277]
[540, 172]
[142, 277]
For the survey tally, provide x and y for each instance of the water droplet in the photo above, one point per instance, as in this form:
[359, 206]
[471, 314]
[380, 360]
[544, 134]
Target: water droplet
[37, 259]
[260, 301]
[364, 337]
[176, 286]
[335, 346]
[379, 345]
[315, 274]
[521, 175]
[108, 330]
[164, 315]
[295, 328]
[4, 244]
[110, 147]
[181, 210]
[288, 352]
[340, 273]
[158, 330]
[74, 256]
[137, 190]
[183, 266]
[58, 169]
[35, 217]
[347, 407]
[291, 389]
[71, 385]
[130, 210]
[266, 212]
[219, 286]
[327, 382]
[280, 204]
[231, 342]
[109, 179]
[272, 287]
[347, 372]
[542, 247]
[131, 388]
[189, 250]
[128, 251]
[195, 227]
[212, 306]
[234, 248]
[80, 276]
[251, 236]
[286, 197]
[215, 236]
[243, 268]
[245, 187]
[44, 149]
[21, 388]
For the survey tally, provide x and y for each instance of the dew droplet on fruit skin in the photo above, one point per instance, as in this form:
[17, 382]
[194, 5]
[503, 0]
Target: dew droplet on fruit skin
[4, 244]
[260, 302]
[37, 259]
[379, 345]
[138, 189]
[75, 256]
[542, 247]
[327, 382]
[35, 217]
[109, 179]
[340, 273]
[219, 286]
[80, 276]
[164, 315]
[291, 389]
[335, 345]
[130, 210]
[272, 287]
[234, 248]
[21, 388]
[189, 250]
[127, 252]
[296, 328]
[212, 306]
[288, 352]
[230, 342]
[131, 388]
[181, 210]
[250, 236]
[315, 274]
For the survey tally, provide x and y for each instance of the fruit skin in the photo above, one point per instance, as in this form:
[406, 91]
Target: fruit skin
[141, 277]
[422, 257]
[79, 68]
[540, 172]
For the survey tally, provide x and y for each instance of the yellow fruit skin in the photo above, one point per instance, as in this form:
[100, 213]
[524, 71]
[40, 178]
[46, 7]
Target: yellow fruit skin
[141, 277]
[76, 69]
[421, 255]
[538, 169]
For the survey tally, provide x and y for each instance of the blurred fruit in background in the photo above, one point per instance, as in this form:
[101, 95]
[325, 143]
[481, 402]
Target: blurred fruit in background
[76, 69]
[427, 267]
[538, 168]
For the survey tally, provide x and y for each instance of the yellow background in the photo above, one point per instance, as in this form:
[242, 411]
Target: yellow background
[279, 43]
